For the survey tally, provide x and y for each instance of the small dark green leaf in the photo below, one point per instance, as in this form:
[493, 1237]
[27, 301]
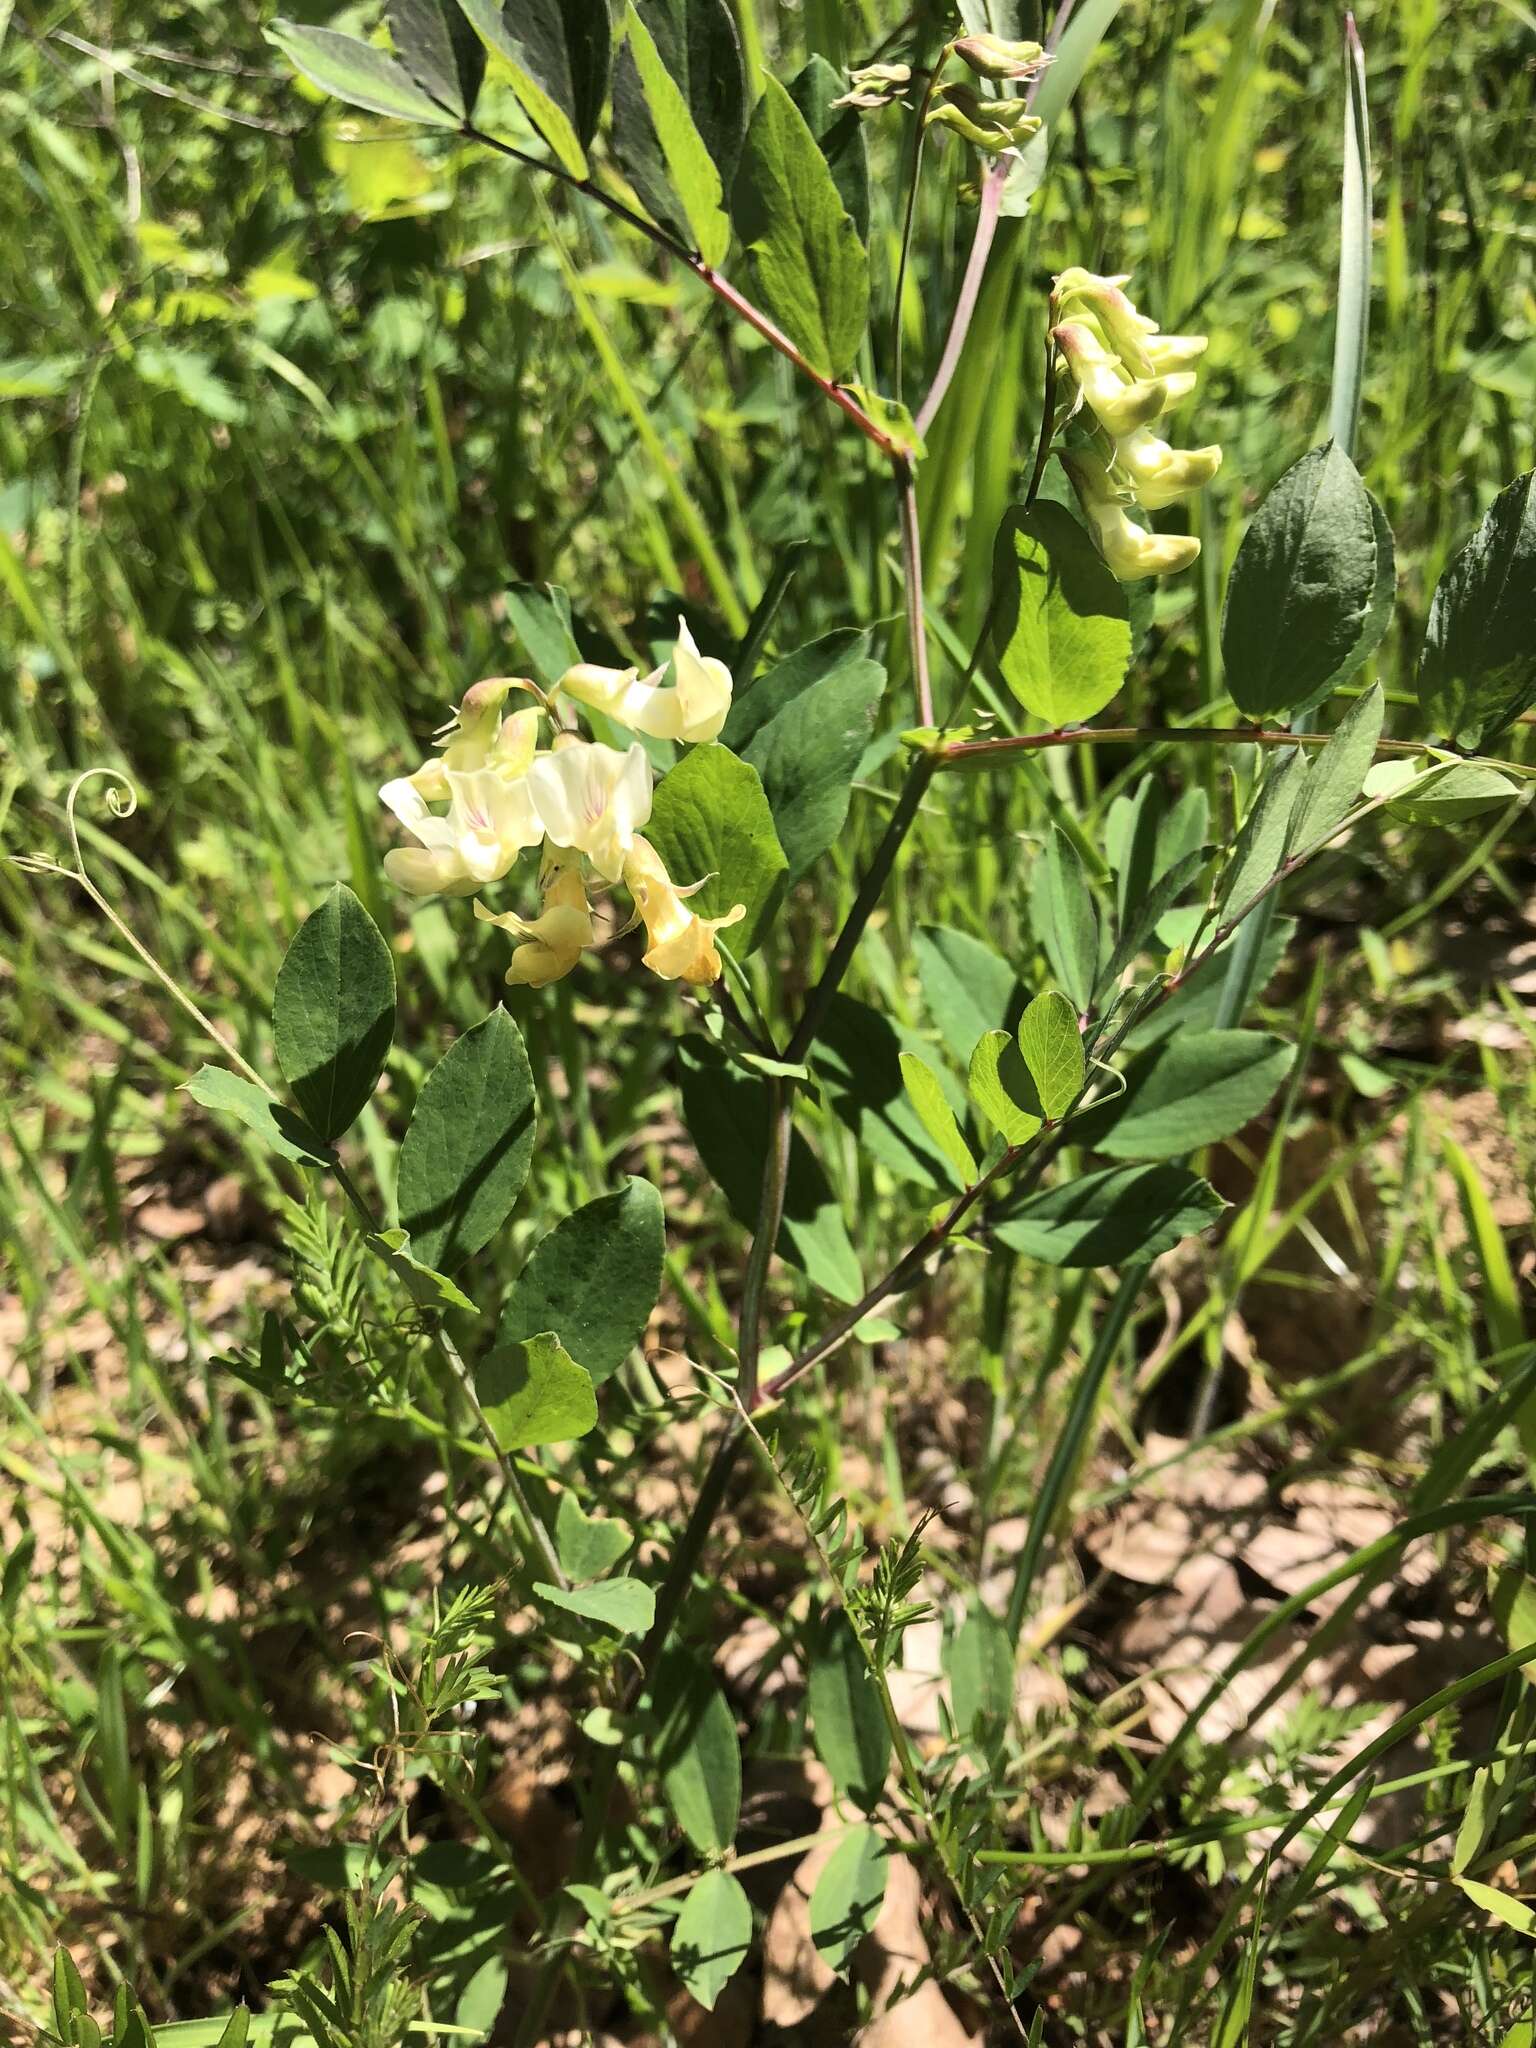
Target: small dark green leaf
[540, 615]
[848, 1721]
[857, 1060]
[840, 133]
[593, 1280]
[333, 1012]
[710, 822]
[848, 1896]
[808, 746]
[1195, 1089]
[356, 72]
[693, 176]
[697, 1754]
[1052, 1047]
[967, 986]
[1065, 920]
[465, 1156]
[1268, 832]
[1063, 621]
[232, 1095]
[626, 1607]
[1302, 588]
[700, 50]
[712, 1935]
[556, 53]
[807, 263]
[1478, 669]
[588, 1544]
[979, 1661]
[926, 1094]
[726, 1112]
[535, 1393]
[1335, 776]
[439, 50]
[426, 1287]
[1112, 1217]
[1441, 794]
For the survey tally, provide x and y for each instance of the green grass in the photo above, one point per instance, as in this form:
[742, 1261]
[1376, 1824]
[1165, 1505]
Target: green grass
[285, 409]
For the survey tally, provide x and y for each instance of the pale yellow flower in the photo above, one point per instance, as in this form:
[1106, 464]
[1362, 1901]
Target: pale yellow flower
[681, 946]
[591, 799]
[490, 820]
[551, 944]
[692, 708]
[1129, 549]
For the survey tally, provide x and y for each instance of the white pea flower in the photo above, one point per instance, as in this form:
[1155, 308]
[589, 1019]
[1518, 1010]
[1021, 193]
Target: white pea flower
[490, 820]
[692, 707]
[592, 799]
[680, 945]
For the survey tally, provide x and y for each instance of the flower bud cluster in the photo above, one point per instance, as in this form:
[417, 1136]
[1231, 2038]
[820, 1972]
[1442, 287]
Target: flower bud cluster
[582, 803]
[1128, 375]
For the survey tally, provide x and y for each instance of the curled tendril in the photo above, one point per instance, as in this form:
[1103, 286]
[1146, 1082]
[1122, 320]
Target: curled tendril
[122, 801]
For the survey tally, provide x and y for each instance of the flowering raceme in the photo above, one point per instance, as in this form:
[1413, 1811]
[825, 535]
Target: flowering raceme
[1127, 375]
[582, 802]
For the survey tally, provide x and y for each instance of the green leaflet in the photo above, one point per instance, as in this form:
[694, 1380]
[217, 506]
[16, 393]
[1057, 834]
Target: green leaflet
[1052, 1047]
[1002, 1088]
[626, 1607]
[857, 1060]
[726, 1113]
[692, 173]
[711, 1936]
[938, 1119]
[698, 1757]
[534, 1393]
[465, 1155]
[839, 134]
[1478, 669]
[1303, 588]
[807, 263]
[556, 54]
[356, 72]
[710, 822]
[588, 1544]
[1063, 621]
[848, 1721]
[1335, 776]
[439, 50]
[848, 1896]
[1194, 1089]
[1065, 919]
[594, 1280]
[232, 1095]
[333, 1012]
[979, 1664]
[1111, 1217]
[699, 49]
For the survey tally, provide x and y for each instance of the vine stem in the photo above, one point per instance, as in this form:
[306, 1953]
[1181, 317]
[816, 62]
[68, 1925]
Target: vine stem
[912, 577]
[982, 753]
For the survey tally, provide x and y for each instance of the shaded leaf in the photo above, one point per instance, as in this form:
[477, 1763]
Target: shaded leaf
[848, 1896]
[439, 50]
[356, 72]
[556, 53]
[593, 1280]
[1194, 1089]
[626, 1606]
[1063, 622]
[857, 1060]
[839, 133]
[588, 1545]
[979, 1661]
[848, 1724]
[1002, 1088]
[465, 1155]
[711, 1936]
[937, 1118]
[1052, 1048]
[427, 1287]
[807, 750]
[535, 1393]
[967, 986]
[692, 175]
[698, 1757]
[1111, 1217]
[1335, 775]
[700, 50]
[232, 1095]
[333, 1012]
[710, 822]
[1478, 669]
[1065, 919]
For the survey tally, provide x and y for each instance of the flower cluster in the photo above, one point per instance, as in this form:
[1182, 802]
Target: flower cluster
[1127, 376]
[582, 803]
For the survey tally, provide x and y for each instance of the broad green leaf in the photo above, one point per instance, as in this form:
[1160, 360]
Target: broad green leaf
[333, 1012]
[848, 1724]
[232, 1095]
[1302, 587]
[857, 1060]
[808, 746]
[540, 616]
[1440, 793]
[1052, 1047]
[1478, 669]
[979, 1661]
[700, 50]
[1063, 621]
[711, 1936]
[625, 1606]
[465, 1155]
[698, 1757]
[426, 1287]
[726, 1113]
[1499, 1905]
[556, 57]
[807, 263]
[593, 1280]
[1111, 1217]
[535, 1393]
[1268, 832]
[1335, 775]
[839, 133]
[968, 988]
[1002, 1088]
[1195, 1089]
[790, 678]
[1065, 919]
[439, 50]
[588, 1544]
[848, 1896]
[692, 173]
[710, 822]
[356, 72]
[938, 1119]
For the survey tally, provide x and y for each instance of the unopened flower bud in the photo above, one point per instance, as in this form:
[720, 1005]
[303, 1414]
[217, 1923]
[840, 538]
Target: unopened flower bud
[1161, 475]
[992, 126]
[992, 56]
[876, 85]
